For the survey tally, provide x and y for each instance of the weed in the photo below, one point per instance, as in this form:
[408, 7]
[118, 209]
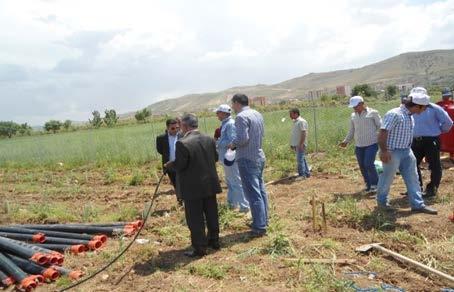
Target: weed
[329, 243]
[227, 216]
[110, 176]
[63, 281]
[404, 236]
[136, 179]
[89, 213]
[279, 245]
[210, 270]
[347, 210]
[321, 278]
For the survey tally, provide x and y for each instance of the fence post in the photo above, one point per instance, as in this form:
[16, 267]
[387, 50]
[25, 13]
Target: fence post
[315, 123]
[205, 122]
[153, 135]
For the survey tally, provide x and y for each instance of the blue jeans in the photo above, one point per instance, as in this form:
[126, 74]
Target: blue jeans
[303, 169]
[403, 160]
[235, 195]
[366, 158]
[251, 173]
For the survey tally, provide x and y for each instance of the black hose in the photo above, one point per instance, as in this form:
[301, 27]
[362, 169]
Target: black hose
[147, 214]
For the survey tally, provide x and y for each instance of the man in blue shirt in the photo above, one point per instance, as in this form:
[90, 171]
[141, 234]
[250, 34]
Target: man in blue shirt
[250, 131]
[426, 143]
[394, 140]
[235, 195]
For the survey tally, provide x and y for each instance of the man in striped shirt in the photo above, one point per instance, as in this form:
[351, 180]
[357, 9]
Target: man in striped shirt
[364, 125]
[251, 160]
[394, 140]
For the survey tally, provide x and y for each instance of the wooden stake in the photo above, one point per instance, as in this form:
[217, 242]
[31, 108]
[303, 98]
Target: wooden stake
[325, 228]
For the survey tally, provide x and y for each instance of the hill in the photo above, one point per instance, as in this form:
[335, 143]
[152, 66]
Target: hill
[423, 68]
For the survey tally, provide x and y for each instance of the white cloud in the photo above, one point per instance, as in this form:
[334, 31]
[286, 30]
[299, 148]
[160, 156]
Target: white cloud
[63, 59]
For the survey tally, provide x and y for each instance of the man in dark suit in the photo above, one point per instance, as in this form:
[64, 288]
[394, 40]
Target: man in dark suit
[165, 145]
[198, 184]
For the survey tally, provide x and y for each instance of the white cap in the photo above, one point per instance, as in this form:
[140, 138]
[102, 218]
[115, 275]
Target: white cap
[225, 108]
[418, 89]
[419, 98]
[355, 100]
[229, 157]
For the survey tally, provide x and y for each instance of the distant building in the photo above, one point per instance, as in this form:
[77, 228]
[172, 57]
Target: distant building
[258, 101]
[316, 93]
[405, 87]
[343, 90]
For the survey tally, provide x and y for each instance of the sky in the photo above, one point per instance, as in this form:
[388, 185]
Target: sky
[62, 59]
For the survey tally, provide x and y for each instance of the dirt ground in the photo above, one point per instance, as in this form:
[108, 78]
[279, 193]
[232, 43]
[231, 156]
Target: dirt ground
[271, 263]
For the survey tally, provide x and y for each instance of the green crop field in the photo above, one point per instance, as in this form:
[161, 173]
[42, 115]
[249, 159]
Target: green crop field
[134, 144]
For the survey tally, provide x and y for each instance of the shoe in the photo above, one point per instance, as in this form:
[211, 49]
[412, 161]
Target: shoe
[196, 253]
[300, 178]
[214, 245]
[245, 210]
[257, 233]
[386, 208]
[371, 190]
[426, 210]
[430, 193]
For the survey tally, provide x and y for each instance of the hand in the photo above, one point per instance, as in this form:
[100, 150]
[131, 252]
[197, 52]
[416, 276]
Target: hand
[343, 144]
[231, 146]
[385, 156]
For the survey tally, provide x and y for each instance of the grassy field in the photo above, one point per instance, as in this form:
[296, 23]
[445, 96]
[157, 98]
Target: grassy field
[109, 174]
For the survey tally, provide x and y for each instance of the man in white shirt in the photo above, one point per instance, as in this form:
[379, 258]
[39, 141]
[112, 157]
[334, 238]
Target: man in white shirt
[364, 125]
[298, 142]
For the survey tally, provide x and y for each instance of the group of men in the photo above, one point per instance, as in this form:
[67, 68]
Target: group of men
[406, 135]
[192, 170]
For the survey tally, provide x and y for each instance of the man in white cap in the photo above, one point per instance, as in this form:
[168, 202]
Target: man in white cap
[364, 125]
[429, 125]
[235, 195]
[394, 140]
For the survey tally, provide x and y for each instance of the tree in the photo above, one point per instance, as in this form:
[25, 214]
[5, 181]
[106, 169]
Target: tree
[141, 116]
[364, 90]
[53, 126]
[67, 124]
[390, 91]
[25, 129]
[96, 121]
[8, 129]
[110, 118]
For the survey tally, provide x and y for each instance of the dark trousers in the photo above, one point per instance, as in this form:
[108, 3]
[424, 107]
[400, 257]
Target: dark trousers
[198, 213]
[428, 147]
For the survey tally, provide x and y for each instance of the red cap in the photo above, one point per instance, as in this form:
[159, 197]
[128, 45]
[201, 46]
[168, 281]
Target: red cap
[78, 248]
[129, 230]
[75, 275]
[101, 237]
[28, 283]
[8, 281]
[39, 238]
[94, 244]
[50, 274]
[40, 258]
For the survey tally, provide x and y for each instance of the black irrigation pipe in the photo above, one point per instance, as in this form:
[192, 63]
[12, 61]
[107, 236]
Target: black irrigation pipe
[147, 214]
[47, 232]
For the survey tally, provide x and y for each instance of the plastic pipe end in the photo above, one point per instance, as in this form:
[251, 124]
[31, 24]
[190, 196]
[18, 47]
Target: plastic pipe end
[50, 274]
[28, 284]
[40, 258]
[101, 237]
[39, 238]
[78, 248]
[75, 275]
[94, 244]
